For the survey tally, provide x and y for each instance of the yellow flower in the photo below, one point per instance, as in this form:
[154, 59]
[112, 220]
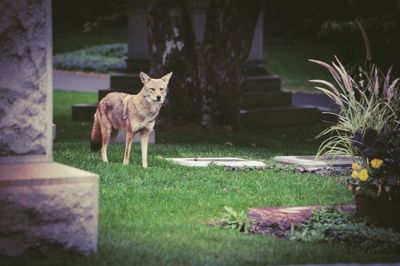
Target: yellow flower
[356, 166]
[363, 174]
[376, 163]
[354, 174]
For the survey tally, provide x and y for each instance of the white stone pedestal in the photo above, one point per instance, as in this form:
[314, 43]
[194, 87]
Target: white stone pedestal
[47, 209]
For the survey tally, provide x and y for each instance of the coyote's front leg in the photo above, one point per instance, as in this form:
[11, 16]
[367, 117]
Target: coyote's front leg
[128, 145]
[144, 141]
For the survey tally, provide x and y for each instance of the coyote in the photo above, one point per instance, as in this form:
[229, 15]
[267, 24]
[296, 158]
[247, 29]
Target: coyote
[131, 113]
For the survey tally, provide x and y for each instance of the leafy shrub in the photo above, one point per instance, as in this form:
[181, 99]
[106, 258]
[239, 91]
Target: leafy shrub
[331, 225]
[103, 58]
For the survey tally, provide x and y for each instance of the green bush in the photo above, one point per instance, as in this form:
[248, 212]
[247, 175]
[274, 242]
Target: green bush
[103, 58]
[331, 225]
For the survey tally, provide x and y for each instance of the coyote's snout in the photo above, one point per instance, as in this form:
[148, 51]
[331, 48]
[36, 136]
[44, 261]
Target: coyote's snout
[131, 113]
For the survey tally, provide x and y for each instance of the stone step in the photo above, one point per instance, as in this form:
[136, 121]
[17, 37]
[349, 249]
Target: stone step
[122, 81]
[265, 99]
[279, 116]
[261, 83]
[83, 112]
[249, 100]
[250, 118]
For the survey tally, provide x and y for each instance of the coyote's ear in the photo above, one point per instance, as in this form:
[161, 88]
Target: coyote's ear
[167, 77]
[144, 77]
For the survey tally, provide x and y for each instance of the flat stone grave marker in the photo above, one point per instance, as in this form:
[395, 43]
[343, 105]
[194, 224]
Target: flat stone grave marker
[220, 161]
[312, 164]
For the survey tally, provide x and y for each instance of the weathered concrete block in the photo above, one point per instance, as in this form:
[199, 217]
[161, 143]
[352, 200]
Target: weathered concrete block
[47, 209]
[83, 112]
[265, 99]
[261, 83]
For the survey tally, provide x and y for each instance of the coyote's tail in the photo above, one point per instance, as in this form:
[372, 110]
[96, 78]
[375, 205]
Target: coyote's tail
[95, 138]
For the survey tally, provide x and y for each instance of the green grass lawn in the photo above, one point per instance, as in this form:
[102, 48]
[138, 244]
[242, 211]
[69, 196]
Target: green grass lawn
[159, 216]
[289, 60]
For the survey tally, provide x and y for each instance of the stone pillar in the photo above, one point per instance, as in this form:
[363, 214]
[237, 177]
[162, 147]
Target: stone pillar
[25, 81]
[256, 62]
[138, 51]
[46, 208]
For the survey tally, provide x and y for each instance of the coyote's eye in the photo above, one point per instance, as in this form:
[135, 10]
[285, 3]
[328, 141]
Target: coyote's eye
[152, 89]
[161, 89]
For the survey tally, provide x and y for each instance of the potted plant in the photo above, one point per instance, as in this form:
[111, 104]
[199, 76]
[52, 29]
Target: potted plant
[375, 180]
[368, 130]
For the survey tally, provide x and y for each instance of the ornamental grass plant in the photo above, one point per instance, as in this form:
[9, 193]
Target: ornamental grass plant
[367, 127]
[371, 100]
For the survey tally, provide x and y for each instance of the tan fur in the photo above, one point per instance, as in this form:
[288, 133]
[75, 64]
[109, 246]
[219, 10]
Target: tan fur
[131, 113]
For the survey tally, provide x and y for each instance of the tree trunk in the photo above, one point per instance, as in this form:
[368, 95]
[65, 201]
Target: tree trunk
[171, 42]
[229, 31]
[207, 78]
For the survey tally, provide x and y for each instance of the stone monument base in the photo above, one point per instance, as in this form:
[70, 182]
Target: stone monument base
[48, 209]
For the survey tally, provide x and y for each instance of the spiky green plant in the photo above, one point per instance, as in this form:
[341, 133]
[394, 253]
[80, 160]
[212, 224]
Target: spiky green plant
[235, 220]
[369, 100]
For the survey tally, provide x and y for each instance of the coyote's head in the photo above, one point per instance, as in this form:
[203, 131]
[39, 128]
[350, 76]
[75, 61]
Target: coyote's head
[155, 89]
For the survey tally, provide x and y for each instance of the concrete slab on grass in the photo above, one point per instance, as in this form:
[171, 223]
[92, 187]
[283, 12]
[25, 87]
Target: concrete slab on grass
[220, 161]
[312, 163]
